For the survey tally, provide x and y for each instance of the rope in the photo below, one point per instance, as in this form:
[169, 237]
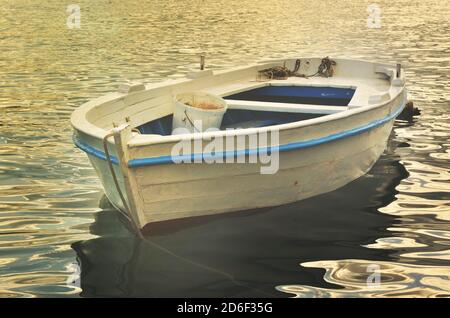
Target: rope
[116, 183]
[325, 69]
[208, 268]
[111, 168]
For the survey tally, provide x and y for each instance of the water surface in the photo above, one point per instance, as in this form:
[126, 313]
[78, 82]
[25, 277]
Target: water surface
[58, 235]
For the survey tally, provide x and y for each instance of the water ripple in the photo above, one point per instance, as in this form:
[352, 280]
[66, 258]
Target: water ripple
[51, 221]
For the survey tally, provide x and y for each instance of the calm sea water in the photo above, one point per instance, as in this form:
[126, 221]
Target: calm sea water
[58, 235]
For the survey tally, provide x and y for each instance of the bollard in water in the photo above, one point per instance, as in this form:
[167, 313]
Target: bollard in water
[202, 62]
[399, 68]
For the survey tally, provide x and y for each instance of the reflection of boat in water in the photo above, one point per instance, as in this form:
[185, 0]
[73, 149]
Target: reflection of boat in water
[243, 254]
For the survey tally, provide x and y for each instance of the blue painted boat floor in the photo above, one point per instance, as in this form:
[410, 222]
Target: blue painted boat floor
[237, 118]
[233, 118]
[330, 96]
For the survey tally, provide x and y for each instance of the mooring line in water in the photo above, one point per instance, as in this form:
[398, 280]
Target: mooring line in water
[111, 168]
[125, 213]
[229, 276]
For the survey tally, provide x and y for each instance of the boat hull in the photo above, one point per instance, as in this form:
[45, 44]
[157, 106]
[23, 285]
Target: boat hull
[234, 187]
[174, 191]
[316, 155]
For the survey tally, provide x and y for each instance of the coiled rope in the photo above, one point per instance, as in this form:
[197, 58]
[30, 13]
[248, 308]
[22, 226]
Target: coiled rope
[325, 69]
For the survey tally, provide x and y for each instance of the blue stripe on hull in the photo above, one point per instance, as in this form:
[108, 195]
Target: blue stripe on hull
[93, 151]
[141, 162]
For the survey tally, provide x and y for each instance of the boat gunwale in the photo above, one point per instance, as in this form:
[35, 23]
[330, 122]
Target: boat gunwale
[150, 161]
[80, 123]
[140, 162]
[159, 139]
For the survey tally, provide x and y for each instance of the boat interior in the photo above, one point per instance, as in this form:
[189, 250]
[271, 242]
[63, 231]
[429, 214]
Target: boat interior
[251, 101]
[267, 96]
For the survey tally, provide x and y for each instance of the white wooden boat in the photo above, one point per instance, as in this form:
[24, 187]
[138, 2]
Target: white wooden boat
[331, 130]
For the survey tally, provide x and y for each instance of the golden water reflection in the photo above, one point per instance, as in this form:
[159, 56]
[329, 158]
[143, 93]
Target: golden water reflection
[49, 193]
[420, 236]
[397, 280]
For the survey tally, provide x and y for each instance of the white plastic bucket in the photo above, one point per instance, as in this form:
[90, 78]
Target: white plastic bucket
[197, 112]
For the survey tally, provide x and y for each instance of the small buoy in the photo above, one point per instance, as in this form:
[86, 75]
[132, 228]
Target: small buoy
[409, 111]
